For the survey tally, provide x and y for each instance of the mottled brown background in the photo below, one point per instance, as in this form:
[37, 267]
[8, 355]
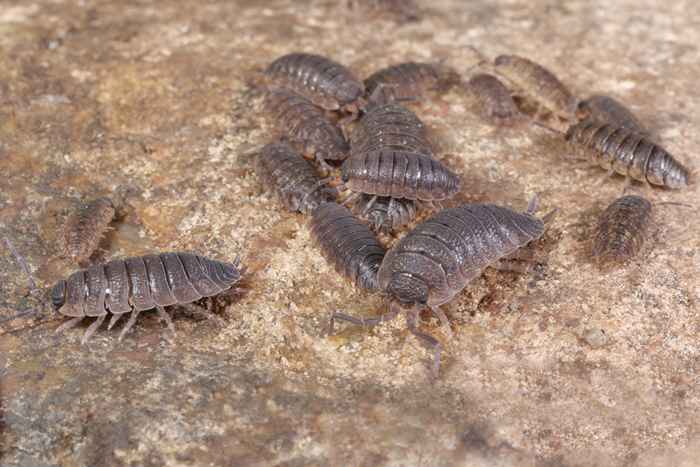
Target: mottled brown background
[565, 367]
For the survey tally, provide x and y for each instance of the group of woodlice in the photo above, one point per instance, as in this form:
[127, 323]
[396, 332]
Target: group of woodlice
[342, 139]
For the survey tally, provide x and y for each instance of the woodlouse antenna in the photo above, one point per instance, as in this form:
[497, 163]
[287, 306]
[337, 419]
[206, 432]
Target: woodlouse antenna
[22, 263]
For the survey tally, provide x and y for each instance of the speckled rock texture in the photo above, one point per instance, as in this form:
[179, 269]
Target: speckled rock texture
[161, 100]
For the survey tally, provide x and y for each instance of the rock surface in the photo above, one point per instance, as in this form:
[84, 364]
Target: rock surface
[568, 366]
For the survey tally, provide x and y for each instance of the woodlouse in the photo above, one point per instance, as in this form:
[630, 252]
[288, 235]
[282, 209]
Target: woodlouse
[387, 214]
[348, 244]
[494, 100]
[627, 153]
[401, 11]
[140, 283]
[84, 228]
[408, 81]
[389, 126]
[399, 174]
[622, 230]
[304, 123]
[295, 182]
[435, 261]
[323, 81]
[538, 82]
[605, 109]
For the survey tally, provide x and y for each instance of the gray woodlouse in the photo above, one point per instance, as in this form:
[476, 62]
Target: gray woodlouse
[622, 230]
[295, 182]
[348, 244]
[84, 228]
[305, 123]
[605, 109]
[399, 174]
[324, 82]
[494, 100]
[389, 126]
[435, 261]
[538, 82]
[140, 283]
[627, 153]
[387, 214]
[409, 81]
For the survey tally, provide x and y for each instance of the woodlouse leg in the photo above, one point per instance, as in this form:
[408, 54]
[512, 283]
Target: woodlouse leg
[533, 205]
[71, 323]
[427, 339]
[512, 265]
[93, 327]
[369, 205]
[22, 263]
[351, 198]
[113, 320]
[164, 316]
[197, 311]
[325, 167]
[443, 320]
[129, 324]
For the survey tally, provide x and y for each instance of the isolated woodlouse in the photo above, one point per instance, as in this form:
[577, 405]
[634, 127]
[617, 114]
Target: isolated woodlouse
[324, 82]
[348, 244]
[627, 153]
[494, 100]
[435, 261]
[622, 230]
[409, 81]
[605, 109]
[389, 126]
[387, 214]
[401, 11]
[399, 174]
[304, 123]
[539, 83]
[84, 228]
[295, 182]
[140, 283]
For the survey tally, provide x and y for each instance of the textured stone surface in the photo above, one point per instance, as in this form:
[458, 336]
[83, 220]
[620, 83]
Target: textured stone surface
[565, 367]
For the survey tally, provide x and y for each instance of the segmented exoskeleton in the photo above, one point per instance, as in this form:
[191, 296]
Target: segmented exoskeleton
[627, 153]
[409, 81]
[348, 244]
[84, 228]
[295, 182]
[494, 100]
[385, 214]
[622, 230]
[140, 283]
[605, 109]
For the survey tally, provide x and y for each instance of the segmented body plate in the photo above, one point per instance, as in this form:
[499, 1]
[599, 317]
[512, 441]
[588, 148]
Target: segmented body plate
[628, 153]
[292, 178]
[386, 214]
[348, 244]
[324, 82]
[622, 229]
[400, 174]
[436, 260]
[303, 122]
[410, 80]
[85, 227]
[494, 100]
[605, 109]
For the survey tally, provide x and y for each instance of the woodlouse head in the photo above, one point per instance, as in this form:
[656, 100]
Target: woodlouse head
[58, 295]
[407, 289]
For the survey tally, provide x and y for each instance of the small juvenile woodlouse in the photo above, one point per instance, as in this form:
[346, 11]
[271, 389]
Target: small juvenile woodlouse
[435, 261]
[401, 11]
[627, 153]
[538, 82]
[409, 81]
[348, 243]
[324, 82]
[389, 126]
[494, 100]
[386, 214]
[605, 109]
[622, 230]
[304, 123]
[133, 285]
[295, 182]
[84, 228]
[399, 174]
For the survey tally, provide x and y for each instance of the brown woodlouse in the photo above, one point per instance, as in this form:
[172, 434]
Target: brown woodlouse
[84, 228]
[622, 230]
[494, 100]
[605, 109]
[304, 123]
[399, 174]
[401, 11]
[627, 153]
[389, 126]
[347, 243]
[538, 82]
[386, 214]
[140, 283]
[295, 182]
[324, 82]
[409, 81]
[435, 261]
